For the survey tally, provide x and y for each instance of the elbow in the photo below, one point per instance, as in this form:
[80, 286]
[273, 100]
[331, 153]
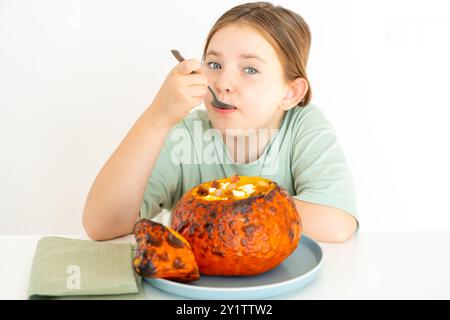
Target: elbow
[94, 234]
[100, 227]
[343, 237]
[339, 232]
[345, 232]
[92, 228]
[326, 224]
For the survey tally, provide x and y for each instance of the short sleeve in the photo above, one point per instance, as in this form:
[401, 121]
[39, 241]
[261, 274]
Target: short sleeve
[319, 169]
[163, 186]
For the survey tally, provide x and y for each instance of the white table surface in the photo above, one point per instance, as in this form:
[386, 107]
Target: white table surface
[372, 265]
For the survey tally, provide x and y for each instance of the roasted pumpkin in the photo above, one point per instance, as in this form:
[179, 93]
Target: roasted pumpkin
[163, 253]
[238, 226]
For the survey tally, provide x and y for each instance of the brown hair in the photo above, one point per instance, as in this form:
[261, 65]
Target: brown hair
[285, 30]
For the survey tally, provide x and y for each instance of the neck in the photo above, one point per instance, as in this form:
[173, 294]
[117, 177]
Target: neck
[250, 145]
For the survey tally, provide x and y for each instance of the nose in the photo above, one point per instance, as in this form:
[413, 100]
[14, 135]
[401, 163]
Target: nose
[224, 83]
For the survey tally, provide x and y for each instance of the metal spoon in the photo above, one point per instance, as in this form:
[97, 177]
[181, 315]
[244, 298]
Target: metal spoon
[216, 102]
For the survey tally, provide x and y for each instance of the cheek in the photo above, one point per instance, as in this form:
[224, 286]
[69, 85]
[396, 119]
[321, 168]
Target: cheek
[263, 97]
[210, 75]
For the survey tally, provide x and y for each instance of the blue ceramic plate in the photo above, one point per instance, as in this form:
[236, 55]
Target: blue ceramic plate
[298, 270]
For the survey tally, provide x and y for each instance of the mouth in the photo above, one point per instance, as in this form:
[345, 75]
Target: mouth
[220, 109]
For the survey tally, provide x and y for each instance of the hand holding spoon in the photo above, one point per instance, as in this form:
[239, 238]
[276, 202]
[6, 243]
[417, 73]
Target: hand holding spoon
[216, 102]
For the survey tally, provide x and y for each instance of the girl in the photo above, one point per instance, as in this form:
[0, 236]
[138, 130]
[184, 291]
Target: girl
[255, 60]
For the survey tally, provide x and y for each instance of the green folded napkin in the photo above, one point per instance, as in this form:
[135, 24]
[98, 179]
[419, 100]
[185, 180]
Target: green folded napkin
[81, 269]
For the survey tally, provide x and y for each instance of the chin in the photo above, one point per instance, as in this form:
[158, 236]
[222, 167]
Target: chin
[222, 124]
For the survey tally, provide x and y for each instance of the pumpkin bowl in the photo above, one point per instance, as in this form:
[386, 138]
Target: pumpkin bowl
[238, 226]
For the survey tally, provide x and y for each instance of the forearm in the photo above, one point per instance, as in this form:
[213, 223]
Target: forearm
[324, 223]
[113, 203]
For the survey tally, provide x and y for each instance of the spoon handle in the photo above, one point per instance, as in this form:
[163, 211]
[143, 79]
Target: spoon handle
[179, 57]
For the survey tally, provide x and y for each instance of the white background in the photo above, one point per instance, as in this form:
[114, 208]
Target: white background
[75, 76]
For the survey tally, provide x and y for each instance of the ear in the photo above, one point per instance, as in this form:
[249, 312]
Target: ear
[295, 91]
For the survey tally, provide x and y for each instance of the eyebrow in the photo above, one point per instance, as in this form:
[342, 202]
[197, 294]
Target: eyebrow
[243, 56]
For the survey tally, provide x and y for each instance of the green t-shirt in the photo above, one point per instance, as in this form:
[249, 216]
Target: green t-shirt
[304, 157]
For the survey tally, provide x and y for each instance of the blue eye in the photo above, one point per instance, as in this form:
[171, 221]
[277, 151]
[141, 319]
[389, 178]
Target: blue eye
[251, 70]
[213, 65]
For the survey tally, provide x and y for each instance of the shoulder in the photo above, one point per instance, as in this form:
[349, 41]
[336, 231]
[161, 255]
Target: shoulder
[301, 120]
[310, 130]
[308, 124]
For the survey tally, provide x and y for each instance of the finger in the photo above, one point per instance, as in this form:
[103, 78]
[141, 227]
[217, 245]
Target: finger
[193, 80]
[197, 80]
[188, 66]
[197, 91]
[201, 70]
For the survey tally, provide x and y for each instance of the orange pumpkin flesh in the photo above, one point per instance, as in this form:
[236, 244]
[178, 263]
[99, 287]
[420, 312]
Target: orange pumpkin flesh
[163, 253]
[238, 225]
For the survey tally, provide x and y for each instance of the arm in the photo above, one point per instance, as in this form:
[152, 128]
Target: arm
[113, 203]
[115, 198]
[324, 223]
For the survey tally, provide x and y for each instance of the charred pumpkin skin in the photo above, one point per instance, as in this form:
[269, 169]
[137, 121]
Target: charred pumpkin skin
[163, 253]
[239, 237]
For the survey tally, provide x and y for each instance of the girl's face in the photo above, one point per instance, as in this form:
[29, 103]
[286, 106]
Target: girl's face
[243, 69]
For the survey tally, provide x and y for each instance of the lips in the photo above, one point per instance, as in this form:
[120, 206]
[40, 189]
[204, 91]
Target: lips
[215, 107]
[219, 110]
